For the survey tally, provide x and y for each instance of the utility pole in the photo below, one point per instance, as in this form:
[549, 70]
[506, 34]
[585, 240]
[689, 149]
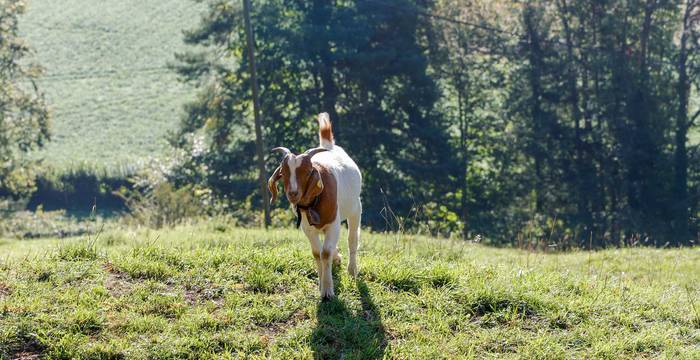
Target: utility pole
[256, 112]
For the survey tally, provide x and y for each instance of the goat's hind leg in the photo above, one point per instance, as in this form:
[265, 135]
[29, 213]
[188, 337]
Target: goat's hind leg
[353, 242]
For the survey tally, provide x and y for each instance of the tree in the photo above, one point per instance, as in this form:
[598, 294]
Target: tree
[571, 117]
[359, 61]
[687, 54]
[250, 47]
[592, 103]
[23, 113]
[466, 56]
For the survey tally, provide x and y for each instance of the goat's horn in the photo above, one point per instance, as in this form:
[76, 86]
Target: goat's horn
[314, 151]
[283, 150]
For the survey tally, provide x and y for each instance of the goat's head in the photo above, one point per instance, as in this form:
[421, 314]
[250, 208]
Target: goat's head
[302, 182]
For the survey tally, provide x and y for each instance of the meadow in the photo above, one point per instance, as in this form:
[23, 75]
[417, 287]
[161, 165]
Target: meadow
[111, 94]
[210, 290]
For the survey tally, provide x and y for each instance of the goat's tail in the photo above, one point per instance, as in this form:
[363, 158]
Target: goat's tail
[325, 131]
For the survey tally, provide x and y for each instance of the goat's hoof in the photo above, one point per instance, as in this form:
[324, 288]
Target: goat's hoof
[327, 295]
[352, 270]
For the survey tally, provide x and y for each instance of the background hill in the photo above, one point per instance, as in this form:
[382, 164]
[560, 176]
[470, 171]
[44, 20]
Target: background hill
[111, 94]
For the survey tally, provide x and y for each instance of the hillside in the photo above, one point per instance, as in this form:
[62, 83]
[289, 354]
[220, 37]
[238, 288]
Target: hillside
[212, 291]
[111, 95]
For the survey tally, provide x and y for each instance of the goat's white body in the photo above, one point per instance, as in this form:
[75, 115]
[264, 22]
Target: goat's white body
[348, 178]
[349, 186]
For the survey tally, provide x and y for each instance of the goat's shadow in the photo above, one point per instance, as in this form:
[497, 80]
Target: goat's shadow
[342, 333]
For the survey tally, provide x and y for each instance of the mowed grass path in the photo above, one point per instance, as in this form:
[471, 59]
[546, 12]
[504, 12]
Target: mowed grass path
[212, 291]
[111, 95]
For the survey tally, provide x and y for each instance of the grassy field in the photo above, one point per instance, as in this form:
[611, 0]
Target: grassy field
[112, 96]
[211, 291]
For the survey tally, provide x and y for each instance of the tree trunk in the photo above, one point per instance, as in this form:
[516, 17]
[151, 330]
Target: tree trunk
[680, 183]
[465, 162]
[256, 113]
[645, 148]
[535, 58]
[582, 174]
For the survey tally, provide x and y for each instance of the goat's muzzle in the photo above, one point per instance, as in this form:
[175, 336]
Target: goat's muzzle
[293, 197]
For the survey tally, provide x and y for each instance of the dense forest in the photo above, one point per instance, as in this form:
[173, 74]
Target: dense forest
[570, 118]
[564, 121]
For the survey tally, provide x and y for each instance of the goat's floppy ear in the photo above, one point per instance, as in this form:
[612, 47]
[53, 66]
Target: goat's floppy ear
[272, 183]
[314, 186]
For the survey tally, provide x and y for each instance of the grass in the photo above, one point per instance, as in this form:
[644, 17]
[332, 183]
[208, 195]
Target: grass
[107, 83]
[211, 291]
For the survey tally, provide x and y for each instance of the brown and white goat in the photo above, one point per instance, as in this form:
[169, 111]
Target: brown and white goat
[324, 186]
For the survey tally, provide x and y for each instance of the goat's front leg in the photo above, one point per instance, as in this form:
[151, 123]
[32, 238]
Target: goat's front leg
[330, 244]
[315, 241]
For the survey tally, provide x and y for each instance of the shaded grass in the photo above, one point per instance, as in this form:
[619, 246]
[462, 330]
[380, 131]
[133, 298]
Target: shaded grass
[200, 292]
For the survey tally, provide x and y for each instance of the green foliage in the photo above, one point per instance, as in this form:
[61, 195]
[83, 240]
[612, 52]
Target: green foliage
[199, 291]
[371, 62]
[24, 117]
[152, 198]
[568, 112]
[505, 118]
[564, 119]
[163, 204]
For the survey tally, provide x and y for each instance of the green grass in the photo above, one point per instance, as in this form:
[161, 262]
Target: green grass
[210, 291]
[111, 95]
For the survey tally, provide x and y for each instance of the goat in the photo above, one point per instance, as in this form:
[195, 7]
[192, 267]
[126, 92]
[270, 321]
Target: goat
[324, 186]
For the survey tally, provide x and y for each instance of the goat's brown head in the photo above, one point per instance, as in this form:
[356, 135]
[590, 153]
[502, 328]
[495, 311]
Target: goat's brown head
[302, 181]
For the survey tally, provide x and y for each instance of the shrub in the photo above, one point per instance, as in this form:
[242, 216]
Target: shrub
[162, 205]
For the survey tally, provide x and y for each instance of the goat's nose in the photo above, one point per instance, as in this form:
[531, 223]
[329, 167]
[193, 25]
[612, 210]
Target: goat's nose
[293, 194]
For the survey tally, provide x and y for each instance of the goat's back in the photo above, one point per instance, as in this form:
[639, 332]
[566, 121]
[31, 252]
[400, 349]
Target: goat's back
[347, 176]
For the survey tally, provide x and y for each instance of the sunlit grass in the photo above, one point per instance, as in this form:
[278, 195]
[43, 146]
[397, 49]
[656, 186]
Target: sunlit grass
[208, 291]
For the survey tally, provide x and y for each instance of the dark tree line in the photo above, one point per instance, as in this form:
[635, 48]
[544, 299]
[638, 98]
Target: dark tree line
[605, 98]
[358, 61]
[496, 118]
